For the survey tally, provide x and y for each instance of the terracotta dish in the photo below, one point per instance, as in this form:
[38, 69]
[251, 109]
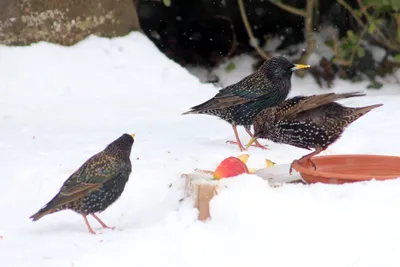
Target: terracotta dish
[339, 169]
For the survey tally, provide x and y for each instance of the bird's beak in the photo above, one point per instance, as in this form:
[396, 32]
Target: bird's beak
[252, 140]
[300, 66]
[133, 135]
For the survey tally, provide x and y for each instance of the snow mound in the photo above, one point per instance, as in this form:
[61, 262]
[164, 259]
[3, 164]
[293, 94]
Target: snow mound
[60, 105]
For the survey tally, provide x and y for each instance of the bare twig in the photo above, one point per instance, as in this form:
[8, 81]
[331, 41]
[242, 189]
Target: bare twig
[353, 52]
[307, 14]
[308, 35]
[308, 30]
[234, 39]
[253, 40]
[368, 17]
[352, 12]
[335, 49]
[288, 8]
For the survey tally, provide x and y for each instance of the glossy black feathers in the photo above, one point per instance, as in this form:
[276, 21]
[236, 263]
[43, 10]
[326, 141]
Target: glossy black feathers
[239, 103]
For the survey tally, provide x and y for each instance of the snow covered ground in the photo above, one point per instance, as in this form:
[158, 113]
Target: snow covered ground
[59, 106]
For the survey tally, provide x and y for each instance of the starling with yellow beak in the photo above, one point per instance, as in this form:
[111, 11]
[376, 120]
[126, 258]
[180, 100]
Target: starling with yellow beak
[309, 122]
[97, 184]
[239, 103]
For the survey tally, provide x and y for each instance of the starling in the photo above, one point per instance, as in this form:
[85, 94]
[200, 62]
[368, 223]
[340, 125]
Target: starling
[239, 103]
[309, 122]
[97, 184]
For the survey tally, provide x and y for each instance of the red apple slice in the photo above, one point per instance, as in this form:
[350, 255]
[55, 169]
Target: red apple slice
[230, 167]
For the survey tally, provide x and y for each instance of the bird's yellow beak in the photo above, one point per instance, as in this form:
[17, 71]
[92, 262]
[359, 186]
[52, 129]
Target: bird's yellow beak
[252, 140]
[133, 135]
[300, 66]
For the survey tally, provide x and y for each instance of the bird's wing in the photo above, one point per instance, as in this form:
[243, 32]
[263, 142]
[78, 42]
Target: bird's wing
[92, 175]
[250, 87]
[300, 104]
[89, 177]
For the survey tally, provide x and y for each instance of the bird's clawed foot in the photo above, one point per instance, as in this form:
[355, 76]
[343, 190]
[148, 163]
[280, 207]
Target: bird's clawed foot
[102, 223]
[257, 144]
[302, 160]
[241, 147]
[313, 164]
[88, 225]
[291, 166]
[108, 227]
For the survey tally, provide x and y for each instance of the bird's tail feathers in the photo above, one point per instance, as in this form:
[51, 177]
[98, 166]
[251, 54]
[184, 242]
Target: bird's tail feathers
[359, 112]
[201, 107]
[42, 212]
[49, 208]
[189, 112]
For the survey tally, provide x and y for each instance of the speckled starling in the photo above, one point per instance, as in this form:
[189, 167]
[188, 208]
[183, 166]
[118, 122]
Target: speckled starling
[309, 122]
[239, 103]
[97, 184]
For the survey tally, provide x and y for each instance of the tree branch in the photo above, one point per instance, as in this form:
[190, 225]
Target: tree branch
[308, 34]
[352, 12]
[288, 8]
[353, 52]
[234, 39]
[253, 40]
[378, 31]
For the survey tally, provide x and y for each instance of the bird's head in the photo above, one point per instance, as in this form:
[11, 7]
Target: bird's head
[262, 124]
[280, 67]
[122, 146]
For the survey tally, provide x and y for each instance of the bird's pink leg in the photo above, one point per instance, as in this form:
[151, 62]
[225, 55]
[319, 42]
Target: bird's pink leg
[101, 222]
[237, 139]
[88, 225]
[306, 158]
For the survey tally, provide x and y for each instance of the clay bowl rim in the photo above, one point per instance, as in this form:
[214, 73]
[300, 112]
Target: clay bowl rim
[300, 167]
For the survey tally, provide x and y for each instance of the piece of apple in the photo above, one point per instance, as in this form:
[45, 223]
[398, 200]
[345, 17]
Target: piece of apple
[230, 167]
[269, 163]
[244, 158]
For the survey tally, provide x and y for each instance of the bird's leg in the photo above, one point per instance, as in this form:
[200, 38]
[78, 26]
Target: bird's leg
[257, 144]
[101, 222]
[306, 158]
[88, 225]
[237, 139]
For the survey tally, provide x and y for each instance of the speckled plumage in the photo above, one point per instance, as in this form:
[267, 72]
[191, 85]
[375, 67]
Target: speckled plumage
[239, 103]
[97, 184]
[309, 122]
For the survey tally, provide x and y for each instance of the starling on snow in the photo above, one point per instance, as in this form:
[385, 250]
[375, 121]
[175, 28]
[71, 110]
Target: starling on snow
[309, 122]
[97, 184]
[239, 103]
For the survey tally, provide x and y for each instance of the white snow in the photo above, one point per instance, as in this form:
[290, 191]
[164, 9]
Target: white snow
[59, 106]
